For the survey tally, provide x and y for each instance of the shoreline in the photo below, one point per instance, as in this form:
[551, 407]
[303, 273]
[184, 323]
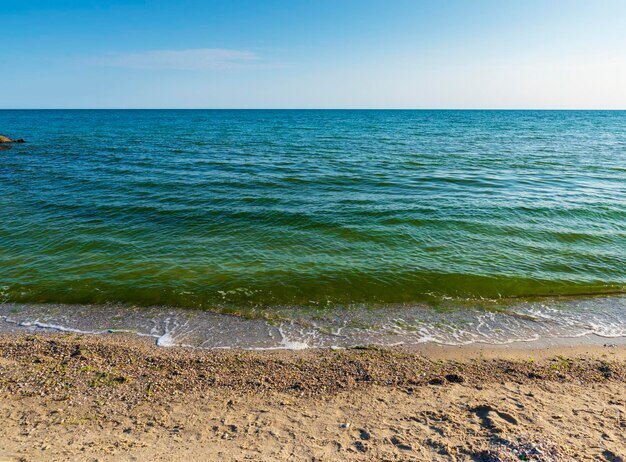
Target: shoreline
[588, 344]
[525, 323]
[112, 396]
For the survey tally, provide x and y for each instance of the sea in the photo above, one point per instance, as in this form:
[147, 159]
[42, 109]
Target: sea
[270, 229]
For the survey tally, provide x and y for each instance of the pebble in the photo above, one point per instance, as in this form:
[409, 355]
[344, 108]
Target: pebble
[455, 378]
[360, 446]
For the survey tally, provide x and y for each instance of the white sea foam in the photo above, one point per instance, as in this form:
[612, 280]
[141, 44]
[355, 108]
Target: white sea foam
[166, 340]
[523, 322]
[56, 327]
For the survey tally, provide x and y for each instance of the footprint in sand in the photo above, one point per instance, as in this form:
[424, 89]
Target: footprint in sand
[491, 417]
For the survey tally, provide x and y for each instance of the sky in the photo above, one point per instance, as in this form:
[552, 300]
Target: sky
[549, 54]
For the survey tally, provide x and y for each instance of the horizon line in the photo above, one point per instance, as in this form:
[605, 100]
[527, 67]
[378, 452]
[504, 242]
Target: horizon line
[300, 109]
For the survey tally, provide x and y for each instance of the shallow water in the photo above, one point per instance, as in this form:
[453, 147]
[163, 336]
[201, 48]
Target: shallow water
[254, 211]
[493, 323]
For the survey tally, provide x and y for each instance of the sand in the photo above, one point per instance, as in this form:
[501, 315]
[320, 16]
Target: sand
[116, 397]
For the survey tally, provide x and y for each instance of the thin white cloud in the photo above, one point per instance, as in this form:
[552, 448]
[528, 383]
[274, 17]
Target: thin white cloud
[191, 59]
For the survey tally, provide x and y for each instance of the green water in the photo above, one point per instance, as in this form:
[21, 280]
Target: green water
[322, 208]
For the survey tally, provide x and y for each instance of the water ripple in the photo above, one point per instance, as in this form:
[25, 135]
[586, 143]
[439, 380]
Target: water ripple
[258, 208]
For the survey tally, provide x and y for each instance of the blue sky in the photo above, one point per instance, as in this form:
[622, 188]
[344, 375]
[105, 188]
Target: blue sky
[313, 54]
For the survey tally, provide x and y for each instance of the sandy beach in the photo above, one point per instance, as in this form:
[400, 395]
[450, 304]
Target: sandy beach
[116, 397]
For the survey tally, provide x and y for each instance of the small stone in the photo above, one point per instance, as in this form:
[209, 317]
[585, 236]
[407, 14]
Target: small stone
[360, 446]
[455, 378]
[345, 425]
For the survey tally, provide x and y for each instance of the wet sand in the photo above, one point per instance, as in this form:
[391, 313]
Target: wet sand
[117, 397]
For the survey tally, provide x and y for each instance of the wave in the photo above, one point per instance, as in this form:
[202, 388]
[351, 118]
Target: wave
[453, 323]
[281, 288]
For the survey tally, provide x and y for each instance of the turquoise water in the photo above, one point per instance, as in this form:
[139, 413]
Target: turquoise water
[239, 209]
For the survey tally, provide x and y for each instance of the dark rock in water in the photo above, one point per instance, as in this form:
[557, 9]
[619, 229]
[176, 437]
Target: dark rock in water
[4, 147]
[6, 139]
